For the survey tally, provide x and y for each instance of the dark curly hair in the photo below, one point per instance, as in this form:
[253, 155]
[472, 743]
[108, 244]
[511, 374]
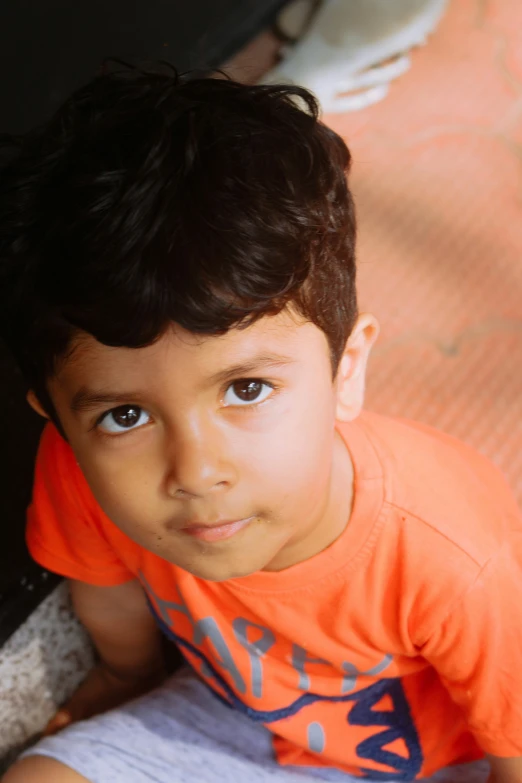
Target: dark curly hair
[151, 198]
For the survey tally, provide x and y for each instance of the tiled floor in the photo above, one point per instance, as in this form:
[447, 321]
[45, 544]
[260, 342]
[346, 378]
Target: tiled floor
[438, 181]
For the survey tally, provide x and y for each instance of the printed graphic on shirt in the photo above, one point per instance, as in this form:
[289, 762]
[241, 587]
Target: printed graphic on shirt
[321, 707]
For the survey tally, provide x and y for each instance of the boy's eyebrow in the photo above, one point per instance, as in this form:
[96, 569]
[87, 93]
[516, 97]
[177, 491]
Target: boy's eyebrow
[86, 399]
[243, 369]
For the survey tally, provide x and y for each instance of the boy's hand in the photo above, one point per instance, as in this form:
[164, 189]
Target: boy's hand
[100, 691]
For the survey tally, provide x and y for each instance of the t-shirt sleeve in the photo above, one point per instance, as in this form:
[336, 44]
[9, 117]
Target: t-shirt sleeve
[64, 530]
[477, 651]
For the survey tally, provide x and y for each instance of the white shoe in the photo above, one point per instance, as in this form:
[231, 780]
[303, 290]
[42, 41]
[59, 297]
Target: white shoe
[353, 49]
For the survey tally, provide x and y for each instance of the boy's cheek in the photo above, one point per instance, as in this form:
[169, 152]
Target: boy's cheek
[121, 485]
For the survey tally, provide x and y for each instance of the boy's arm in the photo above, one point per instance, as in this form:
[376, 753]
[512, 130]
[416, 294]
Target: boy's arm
[121, 627]
[505, 770]
[128, 642]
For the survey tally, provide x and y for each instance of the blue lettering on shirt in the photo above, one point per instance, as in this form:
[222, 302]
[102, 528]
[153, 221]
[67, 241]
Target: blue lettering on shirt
[396, 723]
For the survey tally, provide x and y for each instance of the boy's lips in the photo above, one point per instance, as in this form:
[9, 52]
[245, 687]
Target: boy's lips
[218, 531]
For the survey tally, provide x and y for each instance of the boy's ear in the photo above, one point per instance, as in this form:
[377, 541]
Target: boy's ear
[33, 401]
[351, 375]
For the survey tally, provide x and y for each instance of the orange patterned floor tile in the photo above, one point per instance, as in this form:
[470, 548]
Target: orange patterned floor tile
[437, 179]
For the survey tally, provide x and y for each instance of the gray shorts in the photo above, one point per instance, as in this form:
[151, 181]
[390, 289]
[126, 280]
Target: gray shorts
[180, 733]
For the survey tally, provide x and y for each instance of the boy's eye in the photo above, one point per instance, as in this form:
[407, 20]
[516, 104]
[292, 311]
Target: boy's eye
[247, 392]
[123, 418]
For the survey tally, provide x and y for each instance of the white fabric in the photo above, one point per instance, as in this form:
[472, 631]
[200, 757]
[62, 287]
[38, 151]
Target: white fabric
[181, 733]
[357, 45]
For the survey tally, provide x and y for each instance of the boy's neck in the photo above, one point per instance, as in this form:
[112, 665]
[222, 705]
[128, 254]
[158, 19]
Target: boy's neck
[333, 521]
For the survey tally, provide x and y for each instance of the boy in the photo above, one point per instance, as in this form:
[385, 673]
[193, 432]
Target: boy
[179, 291]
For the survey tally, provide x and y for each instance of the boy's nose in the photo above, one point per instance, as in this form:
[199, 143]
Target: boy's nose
[197, 465]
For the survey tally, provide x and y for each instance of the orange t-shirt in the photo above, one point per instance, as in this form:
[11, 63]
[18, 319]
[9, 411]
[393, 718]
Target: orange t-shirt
[394, 652]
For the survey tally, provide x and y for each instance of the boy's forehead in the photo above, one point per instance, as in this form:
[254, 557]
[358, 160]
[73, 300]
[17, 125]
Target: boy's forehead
[285, 337]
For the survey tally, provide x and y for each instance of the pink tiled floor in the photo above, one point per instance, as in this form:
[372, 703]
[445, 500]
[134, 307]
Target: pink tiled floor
[438, 183]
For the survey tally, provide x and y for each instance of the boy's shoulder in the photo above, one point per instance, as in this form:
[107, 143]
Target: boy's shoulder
[441, 488]
[56, 456]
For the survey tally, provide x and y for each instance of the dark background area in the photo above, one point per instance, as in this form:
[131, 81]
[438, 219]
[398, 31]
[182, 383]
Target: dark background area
[49, 48]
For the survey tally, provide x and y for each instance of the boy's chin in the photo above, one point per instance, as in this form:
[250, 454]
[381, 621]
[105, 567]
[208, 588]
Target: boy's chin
[215, 569]
[244, 554]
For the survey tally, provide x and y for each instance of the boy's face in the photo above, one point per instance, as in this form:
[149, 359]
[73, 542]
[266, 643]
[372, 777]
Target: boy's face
[181, 438]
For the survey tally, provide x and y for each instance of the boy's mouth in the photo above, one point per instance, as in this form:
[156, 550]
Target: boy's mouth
[218, 531]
